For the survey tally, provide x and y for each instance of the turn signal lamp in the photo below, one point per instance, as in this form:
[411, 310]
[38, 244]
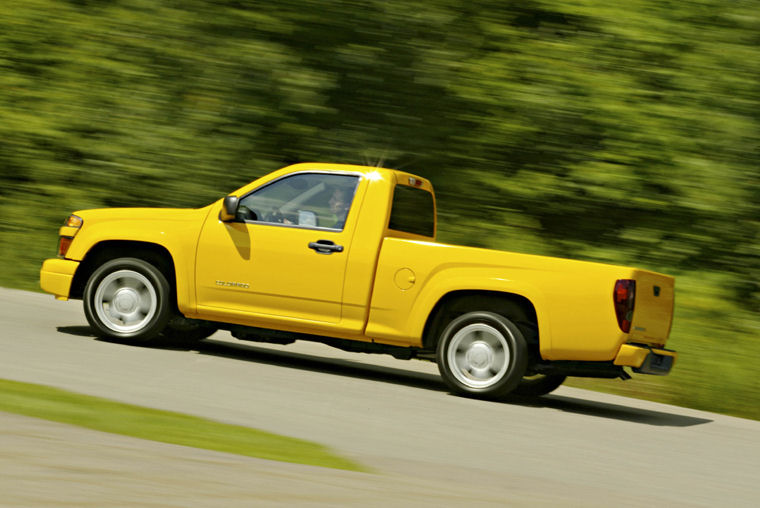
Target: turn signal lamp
[63, 245]
[624, 297]
[72, 221]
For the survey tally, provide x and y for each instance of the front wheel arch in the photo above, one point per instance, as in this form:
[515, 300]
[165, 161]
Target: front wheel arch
[127, 299]
[104, 251]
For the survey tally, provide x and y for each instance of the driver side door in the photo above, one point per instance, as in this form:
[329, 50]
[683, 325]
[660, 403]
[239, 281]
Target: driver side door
[285, 256]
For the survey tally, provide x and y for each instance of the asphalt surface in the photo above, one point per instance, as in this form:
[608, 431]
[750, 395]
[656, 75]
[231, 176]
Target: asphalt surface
[424, 446]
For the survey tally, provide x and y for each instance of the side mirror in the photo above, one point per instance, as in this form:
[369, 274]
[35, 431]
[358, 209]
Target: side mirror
[229, 209]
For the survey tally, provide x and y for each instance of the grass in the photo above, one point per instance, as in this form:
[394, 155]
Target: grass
[164, 426]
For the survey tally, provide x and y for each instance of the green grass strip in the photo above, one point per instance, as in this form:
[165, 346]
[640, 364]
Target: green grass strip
[158, 425]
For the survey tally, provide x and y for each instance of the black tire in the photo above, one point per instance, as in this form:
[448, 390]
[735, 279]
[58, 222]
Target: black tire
[127, 299]
[482, 354]
[535, 386]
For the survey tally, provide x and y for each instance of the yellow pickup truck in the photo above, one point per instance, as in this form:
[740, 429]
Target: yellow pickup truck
[346, 255]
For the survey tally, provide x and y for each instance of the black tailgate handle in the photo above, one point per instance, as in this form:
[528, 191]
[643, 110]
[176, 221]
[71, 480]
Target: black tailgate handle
[325, 247]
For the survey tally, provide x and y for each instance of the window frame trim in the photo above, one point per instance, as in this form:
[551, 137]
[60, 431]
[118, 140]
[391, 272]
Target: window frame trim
[304, 172]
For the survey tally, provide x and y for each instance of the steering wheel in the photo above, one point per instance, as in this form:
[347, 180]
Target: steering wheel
[274, 216]
[278, 217]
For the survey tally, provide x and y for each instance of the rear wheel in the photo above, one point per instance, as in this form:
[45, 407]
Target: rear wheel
[482, 354]
[539, 384]
[127, 299]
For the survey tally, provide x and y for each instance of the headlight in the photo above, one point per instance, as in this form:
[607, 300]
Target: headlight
[73, 222]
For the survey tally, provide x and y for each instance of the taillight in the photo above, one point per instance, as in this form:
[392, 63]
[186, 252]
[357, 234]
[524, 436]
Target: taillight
[624, 297]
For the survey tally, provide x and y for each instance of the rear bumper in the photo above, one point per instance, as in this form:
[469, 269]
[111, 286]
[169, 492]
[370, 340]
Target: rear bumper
[646, 360]
[56, 276]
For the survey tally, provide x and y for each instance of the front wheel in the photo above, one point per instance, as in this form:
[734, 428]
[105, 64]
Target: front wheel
[482, 354]
[127, 299]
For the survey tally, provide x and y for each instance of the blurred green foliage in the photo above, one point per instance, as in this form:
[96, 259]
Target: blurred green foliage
[619, 132]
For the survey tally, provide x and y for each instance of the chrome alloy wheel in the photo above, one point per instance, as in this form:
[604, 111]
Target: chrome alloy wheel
[125, 301]
[478, 355]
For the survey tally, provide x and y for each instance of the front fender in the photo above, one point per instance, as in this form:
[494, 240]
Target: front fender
[176, 231]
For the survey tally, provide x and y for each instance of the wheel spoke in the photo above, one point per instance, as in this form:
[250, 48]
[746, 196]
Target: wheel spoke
[130, 282]
[132, 318]
[108, 292]
[492, 341]
[145, 301]
[113, 312]
[499, 358]
[466, 341]
[461, 358]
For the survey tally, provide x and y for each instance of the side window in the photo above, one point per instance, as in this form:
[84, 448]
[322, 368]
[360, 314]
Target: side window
[413, 211]
[314, 200]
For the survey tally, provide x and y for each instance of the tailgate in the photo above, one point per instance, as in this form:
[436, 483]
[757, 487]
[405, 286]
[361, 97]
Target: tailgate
[653, 309]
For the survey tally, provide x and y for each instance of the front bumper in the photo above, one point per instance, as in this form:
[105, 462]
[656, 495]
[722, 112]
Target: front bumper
[56, 276]
[646, 360]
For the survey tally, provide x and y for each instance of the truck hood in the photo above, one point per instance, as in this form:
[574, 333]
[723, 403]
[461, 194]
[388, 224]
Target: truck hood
[97, 215]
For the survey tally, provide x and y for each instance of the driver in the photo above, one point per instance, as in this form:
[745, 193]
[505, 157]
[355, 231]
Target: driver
[339, 206]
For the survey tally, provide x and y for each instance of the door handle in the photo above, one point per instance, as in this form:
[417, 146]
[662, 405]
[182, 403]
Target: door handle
[325, 247]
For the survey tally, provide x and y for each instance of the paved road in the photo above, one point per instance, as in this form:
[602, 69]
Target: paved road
[425, 446]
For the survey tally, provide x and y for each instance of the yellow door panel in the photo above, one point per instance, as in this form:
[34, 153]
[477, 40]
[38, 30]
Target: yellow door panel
[270, 269]
[286, 252]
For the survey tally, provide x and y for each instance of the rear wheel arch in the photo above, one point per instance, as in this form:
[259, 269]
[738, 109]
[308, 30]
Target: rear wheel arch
[516, 307]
